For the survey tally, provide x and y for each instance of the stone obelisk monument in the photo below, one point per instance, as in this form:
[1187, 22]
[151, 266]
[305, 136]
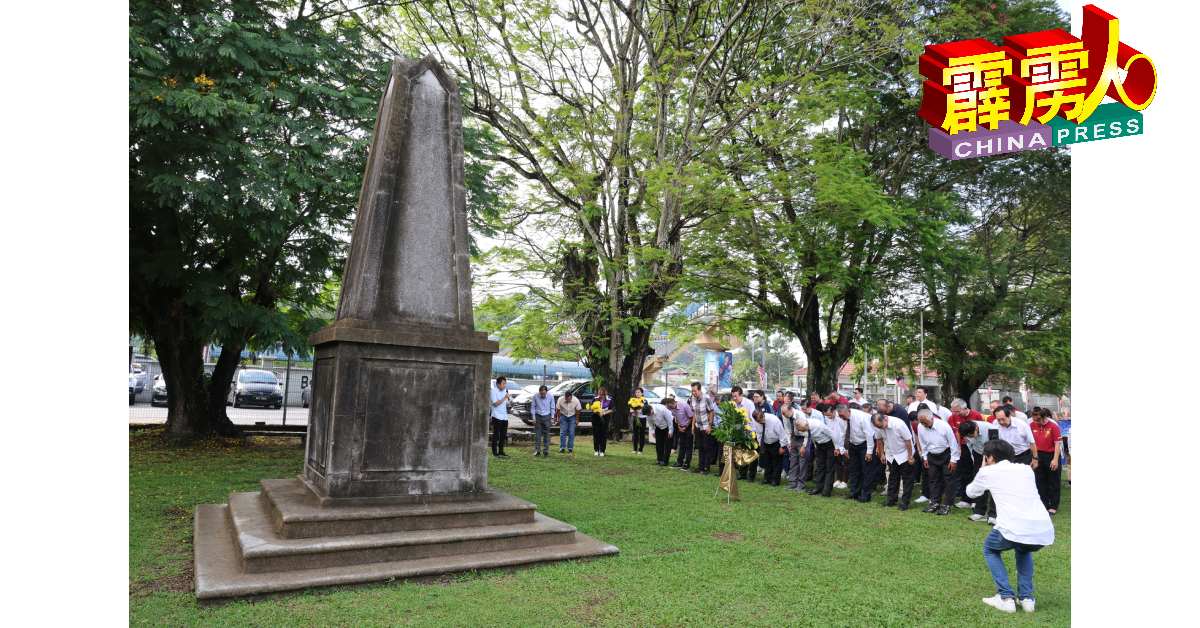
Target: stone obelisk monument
[395, 468]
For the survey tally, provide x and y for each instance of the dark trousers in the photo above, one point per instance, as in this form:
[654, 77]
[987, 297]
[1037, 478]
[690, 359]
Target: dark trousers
[772, 462]
[662, 445]
[919, 474]
[683, 443]
[541, 433]
[499, 435]
[1025, 457]
[823, 468]
[639, 434]
[964, 474]
[857, 466]
[872, 474]
[900, 479]
[1049, 483]
[942, 487]
[599, 432]
[841, 468]
[708, 450]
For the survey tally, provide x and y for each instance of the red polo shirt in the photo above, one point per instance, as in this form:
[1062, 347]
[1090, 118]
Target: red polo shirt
[956, 420]
[1045, 435]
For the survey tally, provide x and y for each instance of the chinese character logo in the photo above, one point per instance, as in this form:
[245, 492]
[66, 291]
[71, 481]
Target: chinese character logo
[1035, 89]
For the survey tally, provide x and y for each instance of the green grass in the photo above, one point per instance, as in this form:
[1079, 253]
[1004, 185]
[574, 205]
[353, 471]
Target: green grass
[687, 558]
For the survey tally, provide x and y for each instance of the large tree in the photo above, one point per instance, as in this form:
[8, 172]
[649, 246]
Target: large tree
[612, 112]
[995, 289]
[831, 195]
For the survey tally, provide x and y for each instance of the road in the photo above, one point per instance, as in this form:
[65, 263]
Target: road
[145, 414]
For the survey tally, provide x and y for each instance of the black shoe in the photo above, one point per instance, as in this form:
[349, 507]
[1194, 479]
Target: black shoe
[812, 491]
[903, 506]
[864, 499]
[677, 466]
[932, 507]
[561, 450]
[888, 504]
[943, 511]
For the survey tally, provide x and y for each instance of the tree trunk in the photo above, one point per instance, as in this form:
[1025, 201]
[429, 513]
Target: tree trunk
[180, 356]
[957, 384]
[218, 386]
[822, 372]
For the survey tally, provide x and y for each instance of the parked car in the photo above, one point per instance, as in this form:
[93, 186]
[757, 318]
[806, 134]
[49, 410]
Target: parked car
[258, 388]
[580, 388]
[135, 387]
[158, 395]
[678, 392]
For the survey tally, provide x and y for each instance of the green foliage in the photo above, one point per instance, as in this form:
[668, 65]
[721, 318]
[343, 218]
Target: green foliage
[735, 430]
[249, 124]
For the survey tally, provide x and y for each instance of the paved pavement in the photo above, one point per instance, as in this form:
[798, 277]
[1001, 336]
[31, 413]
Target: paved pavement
[145, 414]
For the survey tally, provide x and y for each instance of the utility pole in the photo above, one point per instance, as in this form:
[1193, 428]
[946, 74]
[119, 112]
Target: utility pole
[921, 377]
[287, 382]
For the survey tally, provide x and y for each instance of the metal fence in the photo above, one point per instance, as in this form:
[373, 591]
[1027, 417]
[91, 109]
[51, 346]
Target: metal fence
[294, 381]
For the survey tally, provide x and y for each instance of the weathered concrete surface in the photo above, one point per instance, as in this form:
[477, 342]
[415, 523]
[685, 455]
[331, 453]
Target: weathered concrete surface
[219, 571]
[400, 398]
[397, 422]
[297, 513]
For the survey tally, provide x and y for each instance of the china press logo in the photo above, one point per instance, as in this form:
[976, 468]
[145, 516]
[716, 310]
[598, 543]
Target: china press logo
[1036, 90]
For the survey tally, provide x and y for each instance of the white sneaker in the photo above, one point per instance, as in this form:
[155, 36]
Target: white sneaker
[602, 454]
[596, 454]
[992, 520]
[1027, 605]
[976, 517]
[1003, 604]
[962, 505]
[839, 485]
[921, 500]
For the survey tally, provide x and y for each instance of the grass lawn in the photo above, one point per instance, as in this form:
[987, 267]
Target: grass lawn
[687, 558]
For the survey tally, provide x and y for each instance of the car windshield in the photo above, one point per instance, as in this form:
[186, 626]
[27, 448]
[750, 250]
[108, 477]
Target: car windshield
[562, 387]
[257, 377]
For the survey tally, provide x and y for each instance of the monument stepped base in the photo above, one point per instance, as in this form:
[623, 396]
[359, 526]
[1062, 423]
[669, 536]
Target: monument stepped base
[282, 539]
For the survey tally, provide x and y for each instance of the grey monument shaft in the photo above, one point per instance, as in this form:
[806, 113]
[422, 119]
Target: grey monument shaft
[395, 465]
[400, 399]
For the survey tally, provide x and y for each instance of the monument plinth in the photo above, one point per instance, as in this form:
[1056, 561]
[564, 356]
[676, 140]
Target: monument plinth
[395, 469]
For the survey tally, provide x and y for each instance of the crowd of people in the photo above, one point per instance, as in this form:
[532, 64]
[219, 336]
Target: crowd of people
[949, 457]
[823, 442]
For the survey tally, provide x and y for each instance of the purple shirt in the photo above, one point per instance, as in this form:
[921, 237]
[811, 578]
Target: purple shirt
[683, 415]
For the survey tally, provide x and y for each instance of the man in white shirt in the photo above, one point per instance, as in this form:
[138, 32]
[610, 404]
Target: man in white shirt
[1017, 433]
[499, 418]
[974, 437]
[1022, 523]
[895, 449]
[838, 426]
[1013, 411]
[822, 447]
[922, 397]
[939, 457]
[772, 440]
[859, 398]
[860, 447]
[798, 454]
[662, 419]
